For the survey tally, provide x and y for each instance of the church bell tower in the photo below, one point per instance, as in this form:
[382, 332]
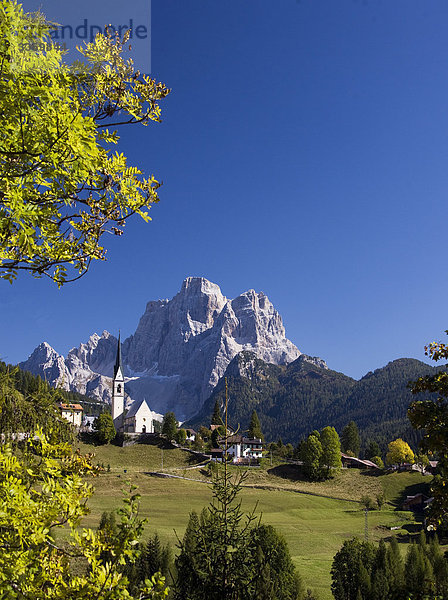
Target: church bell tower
[118, 390]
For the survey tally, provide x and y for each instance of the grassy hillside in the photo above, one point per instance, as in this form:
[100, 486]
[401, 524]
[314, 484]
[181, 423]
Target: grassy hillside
[141, 457]
[314, 525]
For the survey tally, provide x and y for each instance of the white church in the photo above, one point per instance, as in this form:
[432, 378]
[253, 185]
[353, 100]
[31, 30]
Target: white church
[139, 418]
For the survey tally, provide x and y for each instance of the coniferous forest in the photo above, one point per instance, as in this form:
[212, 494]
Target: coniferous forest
[293, 400]
[27, 402]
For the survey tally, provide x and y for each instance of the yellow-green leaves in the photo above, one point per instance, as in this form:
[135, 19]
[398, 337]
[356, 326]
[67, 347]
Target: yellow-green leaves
[60, 188]
[43, 491]
[399, 452]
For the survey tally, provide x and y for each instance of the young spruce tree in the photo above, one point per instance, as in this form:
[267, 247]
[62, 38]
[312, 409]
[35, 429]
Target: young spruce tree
[255, 427]
[350, 440]
[223, 557]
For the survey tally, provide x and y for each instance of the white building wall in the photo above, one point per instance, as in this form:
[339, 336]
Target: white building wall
[74, 417]
[143, 418]
[234, 450]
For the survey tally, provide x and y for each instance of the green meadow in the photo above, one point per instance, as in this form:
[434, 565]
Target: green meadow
[314, 525]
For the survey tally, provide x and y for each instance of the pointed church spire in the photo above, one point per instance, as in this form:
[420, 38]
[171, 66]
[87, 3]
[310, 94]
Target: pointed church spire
[118, 364]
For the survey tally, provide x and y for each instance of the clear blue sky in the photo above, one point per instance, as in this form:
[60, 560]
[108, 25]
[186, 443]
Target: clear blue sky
[304, 153]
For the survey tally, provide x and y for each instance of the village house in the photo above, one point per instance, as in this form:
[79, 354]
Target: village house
[191, 435]
[243, 449]
[72, 413]
[415, 503]
[216, 454]
[357, 463]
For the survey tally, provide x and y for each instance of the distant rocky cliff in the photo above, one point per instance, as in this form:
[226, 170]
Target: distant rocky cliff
[179, 351]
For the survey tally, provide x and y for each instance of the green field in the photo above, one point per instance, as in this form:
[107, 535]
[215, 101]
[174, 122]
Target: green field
[315, 526]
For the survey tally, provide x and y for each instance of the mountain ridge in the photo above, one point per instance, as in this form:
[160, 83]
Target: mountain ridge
[295, 399]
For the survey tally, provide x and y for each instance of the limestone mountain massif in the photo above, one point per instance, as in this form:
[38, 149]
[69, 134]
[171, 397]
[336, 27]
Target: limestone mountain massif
[178, 352]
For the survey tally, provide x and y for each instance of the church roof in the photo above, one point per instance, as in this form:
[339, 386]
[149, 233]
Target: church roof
[118, 361]
[135, 407]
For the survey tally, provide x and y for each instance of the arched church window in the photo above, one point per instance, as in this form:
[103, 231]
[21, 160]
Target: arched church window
[119, 388]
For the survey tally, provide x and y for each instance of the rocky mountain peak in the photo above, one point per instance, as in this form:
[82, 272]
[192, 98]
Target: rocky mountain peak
[199, 285]
[314, 360]
[47, 363]
[246, 364]
[182, 347]
[98, 354]
[43, 352]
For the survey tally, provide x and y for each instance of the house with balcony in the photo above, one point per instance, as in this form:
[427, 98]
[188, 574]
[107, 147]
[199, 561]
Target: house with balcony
[243, 449]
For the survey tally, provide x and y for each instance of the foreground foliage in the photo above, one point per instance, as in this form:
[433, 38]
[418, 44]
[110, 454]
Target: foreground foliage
[61, 188]
[153, 558]
[43, 491]
[431, 416]
[27, 402]
[362, 571]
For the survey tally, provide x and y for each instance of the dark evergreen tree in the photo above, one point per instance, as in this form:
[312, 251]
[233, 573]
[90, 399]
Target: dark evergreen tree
[155, 558]
[288, 450]
[298, 449]
[216, 417]
[372, 450]
[169, 425]
[188, 561]
[419, 575]
[222, 557]
[395, 571]
[216, 573]
[255, 427]
[440, 567]
[379, 577]
[274, 572]
[380, 586]
[351, 568]
[350, 440]
[364, 581]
